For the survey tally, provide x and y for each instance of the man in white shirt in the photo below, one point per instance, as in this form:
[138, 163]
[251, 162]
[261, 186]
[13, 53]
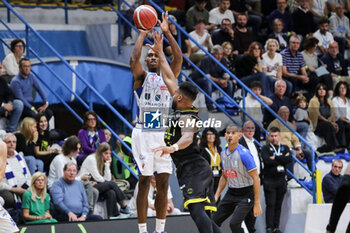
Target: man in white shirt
[221, 12]
[324, 36]
[6, 222]
[201, 37]
[17, 176]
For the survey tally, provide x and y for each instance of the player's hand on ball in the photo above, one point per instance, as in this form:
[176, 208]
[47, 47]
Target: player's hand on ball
[165, 150]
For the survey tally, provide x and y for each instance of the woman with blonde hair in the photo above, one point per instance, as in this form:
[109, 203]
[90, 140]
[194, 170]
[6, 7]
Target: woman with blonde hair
[98, 165]
[26, 142]
[36, 201]
[271, 60]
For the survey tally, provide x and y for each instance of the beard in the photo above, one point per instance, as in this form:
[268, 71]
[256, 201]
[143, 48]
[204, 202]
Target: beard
[174, 105]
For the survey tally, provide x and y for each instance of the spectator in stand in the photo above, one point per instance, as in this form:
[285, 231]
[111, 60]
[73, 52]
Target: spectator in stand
[332, 5]
[201, 37]
[69, 197]
[240, 7]
[215, 73]
[319, 9]
[293, 69]
[27, 138]
[293, 5]
[225, 33]
[17, 176]
[219, 13]
[243, 36]
[321, 112]
[11, 61]
[22, 87]
[91, 135]
[108, 135]
[324, 36]
[36, 201]
[279, 35]
[271, 62]
[197, 12]
[185, 42]
[335, 63]
[290, 139]
[339, 27]
[10, 108]
[249, 69]
[98, 165]
[279, 98]
[313, 66]
[210, 150]
[128, 14]
[331, 181]
[229, 56]
[275, 157]
[42, 148]
[284, 15]
[301, 116]
[253, 107]
[341, 102]
[303, 19]
[70, 149]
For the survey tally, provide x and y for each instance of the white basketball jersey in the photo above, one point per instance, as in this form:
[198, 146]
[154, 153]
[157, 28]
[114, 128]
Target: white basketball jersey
[153, 96]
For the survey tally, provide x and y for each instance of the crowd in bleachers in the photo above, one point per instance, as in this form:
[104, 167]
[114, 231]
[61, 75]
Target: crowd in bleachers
[303, 43]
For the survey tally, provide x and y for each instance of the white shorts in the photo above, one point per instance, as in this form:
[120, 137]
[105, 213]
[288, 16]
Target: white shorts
[148, 162]
[7, 225]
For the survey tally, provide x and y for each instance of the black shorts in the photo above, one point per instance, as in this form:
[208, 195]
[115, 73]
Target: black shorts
[195, 179]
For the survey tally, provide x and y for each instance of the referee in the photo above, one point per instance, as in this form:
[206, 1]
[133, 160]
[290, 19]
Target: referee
[240, 172]
[275, 157]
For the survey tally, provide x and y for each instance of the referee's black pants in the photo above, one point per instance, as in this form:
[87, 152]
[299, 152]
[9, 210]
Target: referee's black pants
[274, 190]
[237, 202]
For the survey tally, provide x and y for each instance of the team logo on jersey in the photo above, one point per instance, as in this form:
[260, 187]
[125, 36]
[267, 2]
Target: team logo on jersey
[152, 119]
[157, 98]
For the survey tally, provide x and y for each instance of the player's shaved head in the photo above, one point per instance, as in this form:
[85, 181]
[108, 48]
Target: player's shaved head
[189, 90]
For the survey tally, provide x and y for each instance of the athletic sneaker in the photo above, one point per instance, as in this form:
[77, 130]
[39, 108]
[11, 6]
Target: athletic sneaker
[125, 210]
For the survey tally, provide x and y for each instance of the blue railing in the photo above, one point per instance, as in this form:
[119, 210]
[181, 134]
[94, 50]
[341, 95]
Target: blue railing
[93, 90]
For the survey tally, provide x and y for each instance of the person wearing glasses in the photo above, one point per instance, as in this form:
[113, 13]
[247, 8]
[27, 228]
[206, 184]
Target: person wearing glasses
[331, 181]
[10, 63]
[91, 136]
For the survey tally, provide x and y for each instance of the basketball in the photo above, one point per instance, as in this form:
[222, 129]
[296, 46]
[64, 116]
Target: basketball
[145, 17]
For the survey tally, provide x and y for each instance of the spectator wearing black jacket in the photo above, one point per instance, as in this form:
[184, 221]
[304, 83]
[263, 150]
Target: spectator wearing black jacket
[215, 73]
[335, 63]
[210, 150]
[10, 108]
[275, 157]
[225, 33]
[303, 19]
[243, 36]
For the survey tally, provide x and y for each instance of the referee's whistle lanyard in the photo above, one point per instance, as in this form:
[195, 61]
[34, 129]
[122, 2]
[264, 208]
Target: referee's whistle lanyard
[277, 153]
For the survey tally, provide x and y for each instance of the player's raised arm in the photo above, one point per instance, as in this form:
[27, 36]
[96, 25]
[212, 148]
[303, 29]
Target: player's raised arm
[135, 65]
[176, 63]
[167, 73]
[3, 157]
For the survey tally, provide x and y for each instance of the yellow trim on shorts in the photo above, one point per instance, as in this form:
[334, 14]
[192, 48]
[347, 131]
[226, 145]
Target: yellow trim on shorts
[196, 200]
[211, 208]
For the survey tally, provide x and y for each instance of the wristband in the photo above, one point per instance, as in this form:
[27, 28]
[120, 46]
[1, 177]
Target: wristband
[339, 77]
[32, 108]
[175, 146]
[306, 67]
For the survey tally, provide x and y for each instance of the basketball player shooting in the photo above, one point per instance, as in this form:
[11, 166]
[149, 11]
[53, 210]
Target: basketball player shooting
[193, 171]
[6, 222]
[151, 91]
